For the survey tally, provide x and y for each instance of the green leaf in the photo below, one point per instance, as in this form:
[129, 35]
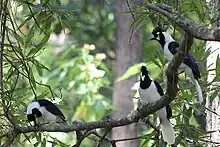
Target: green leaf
[160, 56]
[40, 65]
[155, 61]
[213, 95]
[32, 79]
[37, 48]
[29, 36]
[36, 144]
[147, 139]
[189, 113]
[43, 143]
[19, 38]
[62, 143]
[131, 71]
[137, 20]
[25, 21]
[38, 137]
[65, 107]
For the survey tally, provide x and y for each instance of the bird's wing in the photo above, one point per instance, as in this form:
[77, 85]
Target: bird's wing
[51, 108]
[190, 61]
[159, 89]
[172, 46]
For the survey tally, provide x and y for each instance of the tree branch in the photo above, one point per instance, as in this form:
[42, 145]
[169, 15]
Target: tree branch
[135, 115]
[199, 32]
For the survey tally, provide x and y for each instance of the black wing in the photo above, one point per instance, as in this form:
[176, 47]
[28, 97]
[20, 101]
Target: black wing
[172, 46]
[169, 111]
[159, 89]
[190, 61]
[51, 108]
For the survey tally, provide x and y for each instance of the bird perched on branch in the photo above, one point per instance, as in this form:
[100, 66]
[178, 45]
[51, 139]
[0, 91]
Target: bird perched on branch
[189, 65]
[151, 91]
[43, 111]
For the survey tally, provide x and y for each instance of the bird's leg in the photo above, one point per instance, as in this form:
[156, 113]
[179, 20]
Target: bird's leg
[35, 123]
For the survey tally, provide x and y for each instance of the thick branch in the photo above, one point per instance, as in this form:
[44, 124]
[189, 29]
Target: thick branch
[199, 32]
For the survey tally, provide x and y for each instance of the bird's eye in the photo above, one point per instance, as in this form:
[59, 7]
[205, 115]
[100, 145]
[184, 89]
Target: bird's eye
[158, 33]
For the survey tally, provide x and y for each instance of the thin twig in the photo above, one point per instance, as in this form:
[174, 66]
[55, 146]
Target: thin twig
[130, 9]
[151, 125]
[82, 137]
[35, 20]
[10, 140]
[103, 137]
[26, 76]
[133, 16]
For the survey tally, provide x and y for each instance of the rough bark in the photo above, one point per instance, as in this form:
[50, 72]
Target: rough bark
[213, 120]
[199, 32]
[127, 54]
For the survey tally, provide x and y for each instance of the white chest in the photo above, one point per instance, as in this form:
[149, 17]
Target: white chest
[149, 95]
[167, 52]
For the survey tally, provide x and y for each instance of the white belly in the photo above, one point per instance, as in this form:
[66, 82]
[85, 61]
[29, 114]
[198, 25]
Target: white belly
[149, 95]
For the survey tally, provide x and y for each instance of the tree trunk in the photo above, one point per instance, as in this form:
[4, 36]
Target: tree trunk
[127, 54]
[213, 120]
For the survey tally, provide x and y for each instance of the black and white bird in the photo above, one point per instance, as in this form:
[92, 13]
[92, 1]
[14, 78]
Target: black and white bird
[43, 111]
[189, 65]
[151, 91]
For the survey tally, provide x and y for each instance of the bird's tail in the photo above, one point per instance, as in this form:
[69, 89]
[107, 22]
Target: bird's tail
[167, 131]
[199, 91]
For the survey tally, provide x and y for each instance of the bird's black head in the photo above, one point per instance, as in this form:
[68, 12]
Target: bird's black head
[144, 70]
[36, 112]
[158, 35]
[144, 73]
[145, 80]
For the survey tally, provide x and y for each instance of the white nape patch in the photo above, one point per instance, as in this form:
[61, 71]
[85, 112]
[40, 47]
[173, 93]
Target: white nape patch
[158, 38]
[143, 77]
[32, 106]
[168, 37]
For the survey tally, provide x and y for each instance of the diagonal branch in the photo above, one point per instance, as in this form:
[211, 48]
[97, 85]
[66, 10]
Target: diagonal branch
[199, 32]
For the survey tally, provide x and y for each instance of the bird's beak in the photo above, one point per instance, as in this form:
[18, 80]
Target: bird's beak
[152, 37]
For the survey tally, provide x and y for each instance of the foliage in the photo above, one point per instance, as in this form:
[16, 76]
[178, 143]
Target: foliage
[70, 74]
[185, 106]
